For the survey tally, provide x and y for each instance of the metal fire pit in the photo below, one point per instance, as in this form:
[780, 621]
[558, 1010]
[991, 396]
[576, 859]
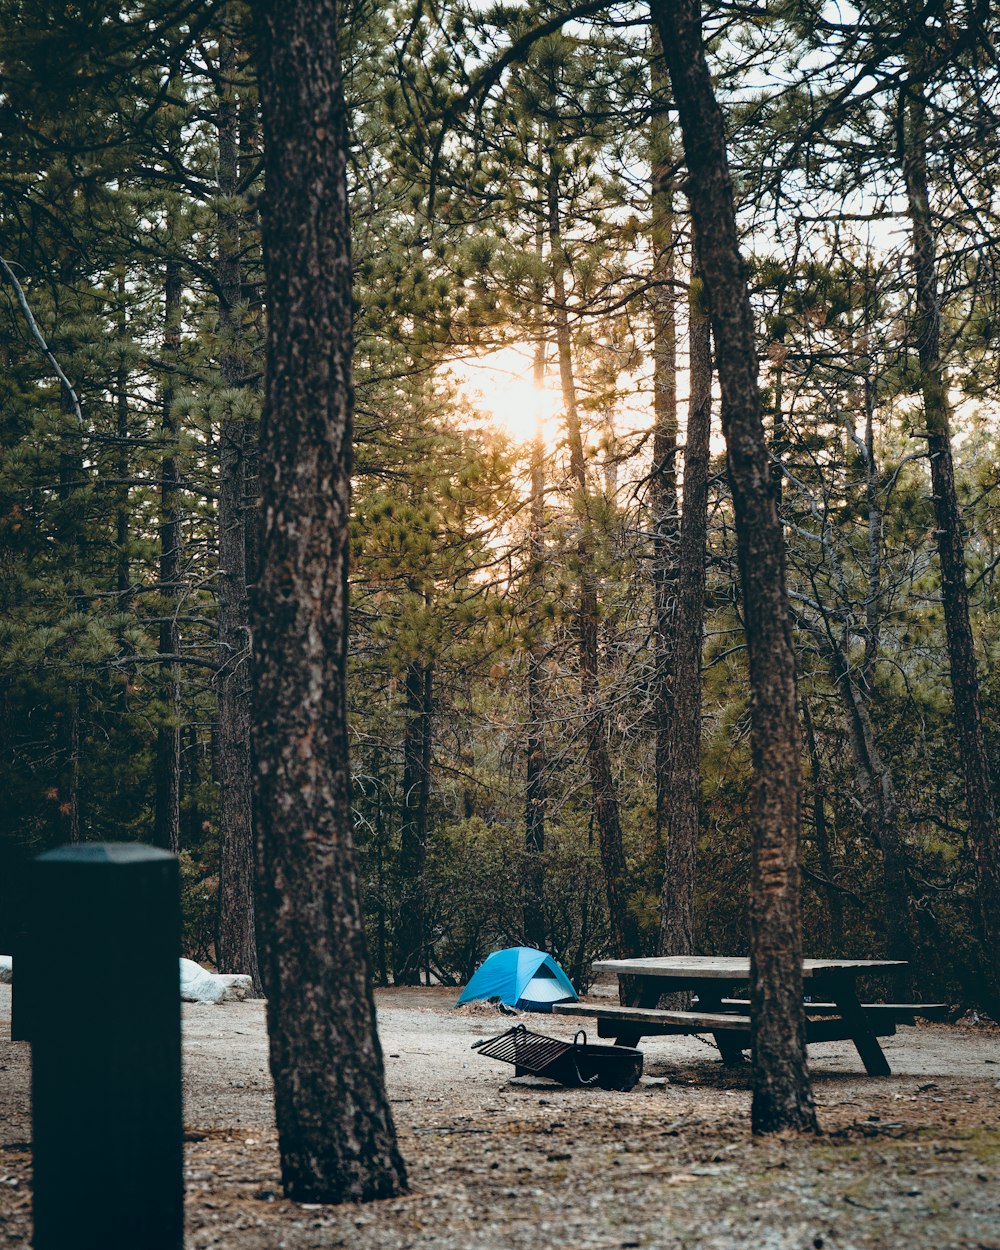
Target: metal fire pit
[570, 1063]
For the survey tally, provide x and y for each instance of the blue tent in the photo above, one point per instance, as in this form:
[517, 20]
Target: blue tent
[521, 977]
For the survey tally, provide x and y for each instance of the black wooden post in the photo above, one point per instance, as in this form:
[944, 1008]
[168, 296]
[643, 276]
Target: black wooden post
[101, 980]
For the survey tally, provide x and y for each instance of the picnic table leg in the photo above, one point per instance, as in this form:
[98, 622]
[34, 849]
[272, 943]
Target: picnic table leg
[648, 991]
[844, 994]
[729, 1048]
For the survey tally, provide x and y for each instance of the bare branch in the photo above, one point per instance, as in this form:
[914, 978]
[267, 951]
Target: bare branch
[39, 338]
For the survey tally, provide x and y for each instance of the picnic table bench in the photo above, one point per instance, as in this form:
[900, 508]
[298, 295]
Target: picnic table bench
[714, 980]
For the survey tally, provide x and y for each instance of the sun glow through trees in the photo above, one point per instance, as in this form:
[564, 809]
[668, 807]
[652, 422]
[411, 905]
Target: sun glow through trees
[500, 388]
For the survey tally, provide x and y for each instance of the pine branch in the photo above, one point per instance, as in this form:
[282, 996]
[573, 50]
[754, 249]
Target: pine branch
[489, 75]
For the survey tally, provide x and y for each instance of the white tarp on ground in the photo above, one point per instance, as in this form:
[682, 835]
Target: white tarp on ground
[198, 985]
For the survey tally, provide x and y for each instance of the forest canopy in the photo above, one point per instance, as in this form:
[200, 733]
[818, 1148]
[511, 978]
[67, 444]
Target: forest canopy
[543, 544]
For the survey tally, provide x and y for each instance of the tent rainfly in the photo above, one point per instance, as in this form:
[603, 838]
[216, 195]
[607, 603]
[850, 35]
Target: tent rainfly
[521, 977]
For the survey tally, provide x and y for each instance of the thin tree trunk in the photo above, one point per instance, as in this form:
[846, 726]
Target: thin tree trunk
[191, 772]
[335, 1130]
[834, 902]
[381, 841]
[876, 786]
[880, 812]
[622, 922]
[984, 837]
[874, 507]
[237, 946]
[167, 764]
[534, 795]
[121, 459]
[69, 533]
[410, 935]
[663, 479]
[253, 324]
[69, 786]
[779, 446]
[123, 600]
[683, 780]
[781, 1094]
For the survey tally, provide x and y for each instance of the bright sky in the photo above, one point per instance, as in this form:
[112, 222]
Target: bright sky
[500, 385]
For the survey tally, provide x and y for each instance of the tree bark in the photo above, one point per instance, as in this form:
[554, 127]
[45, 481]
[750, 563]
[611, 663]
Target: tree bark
[683, 779]
[237, 945]
[781, 1094]
[984, 837]
[663, 479]
[69, 535]
[533, 912]
[879, 809]
[253, 320]
[873, 599]
[623, 926]
[122, 571]
[410, 936]
[167, 764]
[191, 765]
[335, 1130]
[824, 852]
[381, 888]
[534, 795]
[69, 784]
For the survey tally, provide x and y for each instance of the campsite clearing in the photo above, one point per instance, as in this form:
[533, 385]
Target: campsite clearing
[495, 1164]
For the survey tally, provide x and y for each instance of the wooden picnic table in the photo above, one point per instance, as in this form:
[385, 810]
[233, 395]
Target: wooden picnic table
[715, 978]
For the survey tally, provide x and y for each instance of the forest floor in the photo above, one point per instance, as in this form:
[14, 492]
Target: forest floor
[500, 1164]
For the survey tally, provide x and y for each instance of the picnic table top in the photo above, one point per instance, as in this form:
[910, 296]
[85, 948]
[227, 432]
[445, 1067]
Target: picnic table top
[731, 968]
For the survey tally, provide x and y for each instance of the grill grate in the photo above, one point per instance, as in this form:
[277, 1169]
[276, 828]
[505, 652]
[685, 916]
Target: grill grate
[519, 1046]
[570, 1063]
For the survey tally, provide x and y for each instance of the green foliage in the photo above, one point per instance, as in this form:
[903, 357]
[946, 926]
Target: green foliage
[199, 908]
[110, 181]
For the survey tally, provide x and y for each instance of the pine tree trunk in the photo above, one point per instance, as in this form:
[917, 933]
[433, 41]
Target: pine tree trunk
[190, 758]
[381, 843]
[69, 785]
[875, 530]
[121, 460]
[237, 945]
[533, 910]
[781, 1094]
[821, 832]
[534, 794]
[984, 837]
[683, 779]
[69, 535]
[253, 322]
[410, 935]
[779, 442]
[663, 479]
[622, 922]
[123, 600]
[879, 812]
[167, 764]
[335, 1130]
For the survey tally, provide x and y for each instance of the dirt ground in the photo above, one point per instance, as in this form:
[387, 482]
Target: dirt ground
[495, 1163]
